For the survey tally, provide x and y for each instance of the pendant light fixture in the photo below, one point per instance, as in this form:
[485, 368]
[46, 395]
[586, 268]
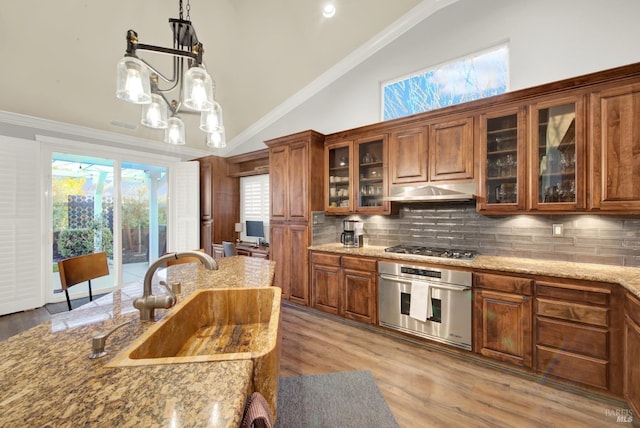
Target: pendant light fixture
[138, 82]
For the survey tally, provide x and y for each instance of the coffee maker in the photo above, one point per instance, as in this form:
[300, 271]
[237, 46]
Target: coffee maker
[351, 236]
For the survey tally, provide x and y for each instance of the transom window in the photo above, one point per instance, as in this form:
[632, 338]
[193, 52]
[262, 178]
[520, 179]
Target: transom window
[476, 76]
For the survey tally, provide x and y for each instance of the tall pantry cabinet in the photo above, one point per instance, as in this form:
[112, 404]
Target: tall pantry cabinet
[296, 188]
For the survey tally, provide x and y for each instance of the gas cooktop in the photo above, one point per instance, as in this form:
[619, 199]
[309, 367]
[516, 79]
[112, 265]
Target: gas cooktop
[418, 250]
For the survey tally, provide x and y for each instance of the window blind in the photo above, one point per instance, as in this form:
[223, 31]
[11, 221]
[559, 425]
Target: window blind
[254, 201]
[20, 225]
[185, 192]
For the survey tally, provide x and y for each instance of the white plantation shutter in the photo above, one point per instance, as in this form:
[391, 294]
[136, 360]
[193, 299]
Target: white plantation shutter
[20, 225]
[185, 194]
[254, 201]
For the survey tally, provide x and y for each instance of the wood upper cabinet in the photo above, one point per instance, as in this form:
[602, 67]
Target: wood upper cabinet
[502, 154]
[631, 352]
[557, 155]
[370, 176]
[289, 166]
[451, 155]
[408, 155]
[437, 151]
[615, 149]
[503, 318]
[298, 188]
[279, 182]
[356, 177]
[338, 158]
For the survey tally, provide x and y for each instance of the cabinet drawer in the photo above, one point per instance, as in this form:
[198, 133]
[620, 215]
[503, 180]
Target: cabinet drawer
[573, 338]
[573, 312]
[632, 308]
[325, 259]
[578, 368]
[358, 263]
[577, 293]
[508, 284]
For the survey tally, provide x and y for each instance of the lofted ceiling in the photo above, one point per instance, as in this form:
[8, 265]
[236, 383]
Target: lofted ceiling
[59, 57]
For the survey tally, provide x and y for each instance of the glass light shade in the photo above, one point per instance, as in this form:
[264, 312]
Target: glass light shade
[154, 114]
[174, 134]
[133, 81]
[211, 120]
[216, 140]
[198, 89]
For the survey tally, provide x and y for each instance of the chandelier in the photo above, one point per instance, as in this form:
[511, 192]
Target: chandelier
[138, 82]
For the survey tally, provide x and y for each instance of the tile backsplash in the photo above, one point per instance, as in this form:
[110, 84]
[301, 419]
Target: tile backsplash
[612, 240]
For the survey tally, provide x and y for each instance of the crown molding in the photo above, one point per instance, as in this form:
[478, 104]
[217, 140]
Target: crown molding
[419, 13]
[39, 126]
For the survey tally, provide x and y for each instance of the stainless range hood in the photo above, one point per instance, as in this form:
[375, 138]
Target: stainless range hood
[433, 192]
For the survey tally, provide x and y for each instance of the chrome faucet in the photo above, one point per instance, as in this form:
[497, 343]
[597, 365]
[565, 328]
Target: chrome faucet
[148, 303]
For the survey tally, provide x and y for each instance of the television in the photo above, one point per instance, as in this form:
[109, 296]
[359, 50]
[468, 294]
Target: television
[255, 229]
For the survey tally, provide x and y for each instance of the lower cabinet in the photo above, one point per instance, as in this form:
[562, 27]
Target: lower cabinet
[289, 244]
[503, 317]
[344, 286]
[631, 353]
[359, 298]
[577, 333]
[326, 276]
[570, 331]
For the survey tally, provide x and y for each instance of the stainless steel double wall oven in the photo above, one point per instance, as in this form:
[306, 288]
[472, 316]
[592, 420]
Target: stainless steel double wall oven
[447, 293]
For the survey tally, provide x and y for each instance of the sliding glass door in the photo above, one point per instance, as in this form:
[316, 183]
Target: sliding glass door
[101, 204]
[144, 217]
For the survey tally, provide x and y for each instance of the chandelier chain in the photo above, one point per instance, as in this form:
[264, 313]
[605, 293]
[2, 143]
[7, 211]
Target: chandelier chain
[188, 10]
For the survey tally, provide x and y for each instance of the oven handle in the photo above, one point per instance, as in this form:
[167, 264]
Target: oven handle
[450, 287]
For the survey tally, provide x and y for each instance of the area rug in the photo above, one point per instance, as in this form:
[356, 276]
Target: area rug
[56, 308]
[336, 400]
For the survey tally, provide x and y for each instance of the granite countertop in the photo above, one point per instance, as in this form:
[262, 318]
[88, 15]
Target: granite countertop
[48, 380]
[628, 277]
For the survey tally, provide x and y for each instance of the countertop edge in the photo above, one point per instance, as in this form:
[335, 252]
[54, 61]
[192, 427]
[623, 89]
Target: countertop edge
[627, 277]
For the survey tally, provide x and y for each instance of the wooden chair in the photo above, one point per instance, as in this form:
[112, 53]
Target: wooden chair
[185, 259]
[79, 269]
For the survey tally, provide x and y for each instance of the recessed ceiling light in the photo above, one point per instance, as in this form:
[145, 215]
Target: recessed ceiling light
[329, 10]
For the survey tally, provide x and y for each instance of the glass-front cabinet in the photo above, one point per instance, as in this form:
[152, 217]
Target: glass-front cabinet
[339, 189]
[502, 144]
[371, 174]
[557, 155]
[356, 176]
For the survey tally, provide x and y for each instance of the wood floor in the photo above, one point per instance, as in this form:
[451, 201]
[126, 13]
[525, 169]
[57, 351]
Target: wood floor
[429, 388]
[423, 387]
[16, 323]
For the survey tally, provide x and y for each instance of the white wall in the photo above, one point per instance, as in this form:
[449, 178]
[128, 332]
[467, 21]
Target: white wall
[548, 39]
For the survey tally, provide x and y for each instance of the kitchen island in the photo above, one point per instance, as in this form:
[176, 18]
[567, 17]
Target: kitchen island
[47, 378]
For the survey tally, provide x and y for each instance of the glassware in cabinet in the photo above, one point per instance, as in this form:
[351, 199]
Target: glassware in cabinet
[556, 155]
[370, 154]
[503, 158]
[339, 159]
